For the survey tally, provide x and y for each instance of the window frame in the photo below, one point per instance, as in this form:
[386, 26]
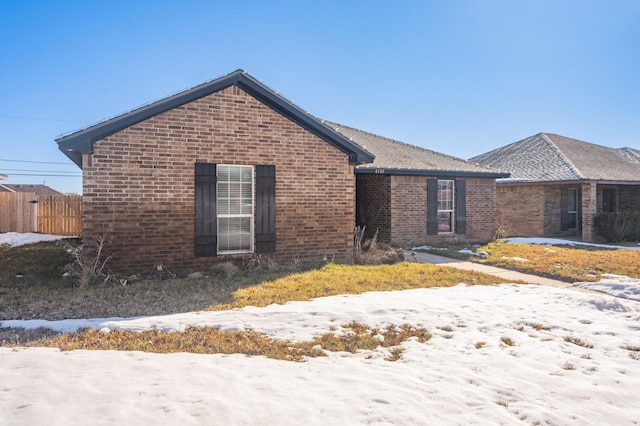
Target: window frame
[450, 211]
[251, 216]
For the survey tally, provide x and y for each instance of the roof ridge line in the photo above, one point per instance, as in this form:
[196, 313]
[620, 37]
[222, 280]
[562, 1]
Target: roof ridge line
[628, 151]
[562, 155]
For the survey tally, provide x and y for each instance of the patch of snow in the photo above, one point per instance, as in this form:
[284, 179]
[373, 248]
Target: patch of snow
[14, 239]
[424, 248]
[474, 253]
[615, 285]
[557, 241]
[516, 259]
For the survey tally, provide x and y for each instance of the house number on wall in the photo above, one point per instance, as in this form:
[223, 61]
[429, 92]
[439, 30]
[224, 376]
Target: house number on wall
[379, 171]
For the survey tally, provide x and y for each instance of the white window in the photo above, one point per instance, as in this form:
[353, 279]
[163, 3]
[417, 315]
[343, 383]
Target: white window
[445, 207]
[235, 209]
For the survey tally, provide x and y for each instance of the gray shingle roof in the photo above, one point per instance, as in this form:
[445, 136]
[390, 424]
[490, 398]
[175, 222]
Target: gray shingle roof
[37, 189]
[397, 157]
[549, 157]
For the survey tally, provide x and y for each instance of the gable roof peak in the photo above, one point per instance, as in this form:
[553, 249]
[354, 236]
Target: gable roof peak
[81, 142]
[552, 157]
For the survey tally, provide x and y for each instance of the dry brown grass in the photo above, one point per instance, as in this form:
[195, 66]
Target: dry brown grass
[335, 279]
[570, 263]
[32, 287]
[355, 337]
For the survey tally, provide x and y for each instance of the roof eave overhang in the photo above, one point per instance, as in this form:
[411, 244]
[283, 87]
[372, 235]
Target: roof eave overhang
[509, 182]
[432, 173]
[81, 142]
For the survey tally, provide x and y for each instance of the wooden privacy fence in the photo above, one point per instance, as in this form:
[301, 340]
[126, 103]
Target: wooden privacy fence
[17, 212]
[47, 214]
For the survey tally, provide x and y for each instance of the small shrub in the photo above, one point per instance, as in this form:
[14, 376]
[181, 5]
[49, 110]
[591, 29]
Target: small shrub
[480, 345]
[90, 260]
[228, 269]
[370, 252]
[619, 226]
[259, 262]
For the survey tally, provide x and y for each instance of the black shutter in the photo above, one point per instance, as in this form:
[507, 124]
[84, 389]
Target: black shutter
[265, 209]
[206, 216]
[432, 207]
[564, 209]
[461, 206]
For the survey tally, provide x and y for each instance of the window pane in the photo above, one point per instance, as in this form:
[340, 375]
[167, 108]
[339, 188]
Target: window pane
[234, 233]
[247, 175]
[223, 173]
[234, 206]
[247, 206]
[234, 174]
[444, 222]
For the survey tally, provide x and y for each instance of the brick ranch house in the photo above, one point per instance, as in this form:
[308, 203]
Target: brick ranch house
[413, 196]
[230, 168]
[558, 185]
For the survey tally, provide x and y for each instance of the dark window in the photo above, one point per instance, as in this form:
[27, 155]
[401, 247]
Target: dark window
[608, 200]
[572, 208]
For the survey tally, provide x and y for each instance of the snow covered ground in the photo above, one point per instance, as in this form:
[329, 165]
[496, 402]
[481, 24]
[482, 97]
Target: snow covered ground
[15, 239]
[574, 360]
[448, 380]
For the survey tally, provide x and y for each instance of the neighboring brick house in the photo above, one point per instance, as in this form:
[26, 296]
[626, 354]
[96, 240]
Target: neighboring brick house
[558, 185]
[413, 196]
[227, 168]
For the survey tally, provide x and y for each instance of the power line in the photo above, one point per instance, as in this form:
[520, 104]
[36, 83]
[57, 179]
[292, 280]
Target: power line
[17, 117]
[37, 162]
[41, 171]
[44, 175]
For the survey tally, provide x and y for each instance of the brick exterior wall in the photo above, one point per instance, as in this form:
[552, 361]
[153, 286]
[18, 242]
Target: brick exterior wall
[408, 210]
[520, 211]
[139, 183]
[481, 210]
[397, 207]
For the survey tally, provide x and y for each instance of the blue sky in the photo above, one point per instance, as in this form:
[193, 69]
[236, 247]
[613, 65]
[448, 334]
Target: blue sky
[458, 76]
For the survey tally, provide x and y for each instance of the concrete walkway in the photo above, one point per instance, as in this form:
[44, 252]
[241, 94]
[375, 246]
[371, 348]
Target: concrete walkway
[509, 276]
